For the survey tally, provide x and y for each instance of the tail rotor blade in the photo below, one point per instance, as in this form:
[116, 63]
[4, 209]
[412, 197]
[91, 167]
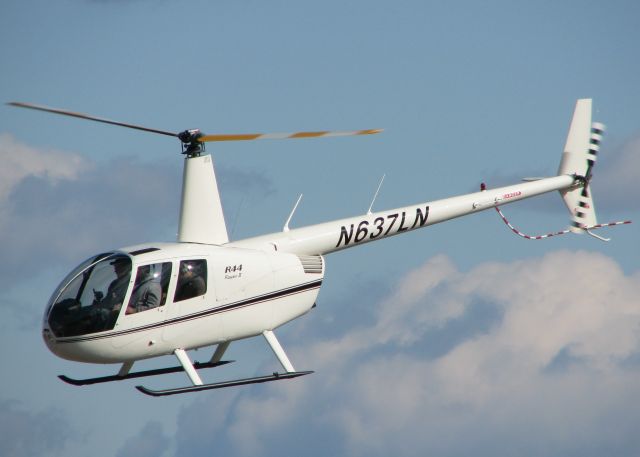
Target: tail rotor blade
[595, 138]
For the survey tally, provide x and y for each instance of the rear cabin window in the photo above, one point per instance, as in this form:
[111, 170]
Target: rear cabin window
[192, 280]
[150, 288]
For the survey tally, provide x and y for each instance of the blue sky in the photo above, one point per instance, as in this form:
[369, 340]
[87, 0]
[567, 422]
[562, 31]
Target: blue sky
[456, 340]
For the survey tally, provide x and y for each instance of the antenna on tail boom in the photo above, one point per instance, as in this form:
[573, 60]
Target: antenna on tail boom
[286, 224]
[376, 194]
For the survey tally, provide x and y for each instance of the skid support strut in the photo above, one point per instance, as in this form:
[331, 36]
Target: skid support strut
[188, 367]
[219, 352]
[278, 351]
[125, 369]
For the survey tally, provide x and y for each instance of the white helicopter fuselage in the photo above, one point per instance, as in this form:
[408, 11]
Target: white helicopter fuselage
[247, 291]
[259, 283]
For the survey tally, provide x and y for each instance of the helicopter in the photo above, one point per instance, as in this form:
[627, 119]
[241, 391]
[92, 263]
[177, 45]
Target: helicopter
[203, 290]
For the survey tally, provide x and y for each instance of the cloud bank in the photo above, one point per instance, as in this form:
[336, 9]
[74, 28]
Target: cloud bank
[616, 183]
[20, 161]
[59, 208]
[25, 433]
[151, 442]
[538, 357]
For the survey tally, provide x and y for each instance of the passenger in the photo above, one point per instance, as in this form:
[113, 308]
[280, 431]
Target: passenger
[190, 282]
[147, 291]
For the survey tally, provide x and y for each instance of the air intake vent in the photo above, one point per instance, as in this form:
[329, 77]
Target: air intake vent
[311, 263]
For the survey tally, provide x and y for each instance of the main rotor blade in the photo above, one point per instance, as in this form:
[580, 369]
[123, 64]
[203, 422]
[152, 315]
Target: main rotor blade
[88, 117]
[282, 136]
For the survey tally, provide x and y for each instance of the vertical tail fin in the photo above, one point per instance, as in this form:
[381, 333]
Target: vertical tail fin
[578, 159]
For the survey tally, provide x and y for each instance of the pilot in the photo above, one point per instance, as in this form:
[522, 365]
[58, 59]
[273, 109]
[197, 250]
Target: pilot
[190, 282]
[147, 291]
[118, 287]
[110, 305]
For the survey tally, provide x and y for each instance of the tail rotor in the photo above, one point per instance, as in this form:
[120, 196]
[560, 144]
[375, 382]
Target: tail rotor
[578, 160]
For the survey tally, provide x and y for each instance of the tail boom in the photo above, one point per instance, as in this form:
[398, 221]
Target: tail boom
[345, 233]
[572, 181]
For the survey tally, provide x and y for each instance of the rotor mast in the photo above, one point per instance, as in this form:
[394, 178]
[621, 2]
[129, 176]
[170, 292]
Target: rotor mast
[201, 215]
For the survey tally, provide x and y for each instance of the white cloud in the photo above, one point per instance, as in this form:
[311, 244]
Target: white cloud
[50, 222]
[25, 433]
[551, 375]
[57, 209]
[151, 441]
[48, 198]
[615, 180]
[20, 161]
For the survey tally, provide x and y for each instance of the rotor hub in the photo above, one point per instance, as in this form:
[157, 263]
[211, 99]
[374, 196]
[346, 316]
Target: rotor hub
[189, 136]
[191, 144]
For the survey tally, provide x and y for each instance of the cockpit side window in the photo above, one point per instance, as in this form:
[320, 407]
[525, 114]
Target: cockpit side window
[150, 287]
[192, 280]
[91, 301]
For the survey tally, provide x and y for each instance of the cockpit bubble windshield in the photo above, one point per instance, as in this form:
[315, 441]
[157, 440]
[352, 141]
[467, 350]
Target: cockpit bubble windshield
[90, 298]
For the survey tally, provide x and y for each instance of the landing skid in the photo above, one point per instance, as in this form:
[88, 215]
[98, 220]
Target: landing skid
[198, 385]
[139, 374]
[219, 385]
